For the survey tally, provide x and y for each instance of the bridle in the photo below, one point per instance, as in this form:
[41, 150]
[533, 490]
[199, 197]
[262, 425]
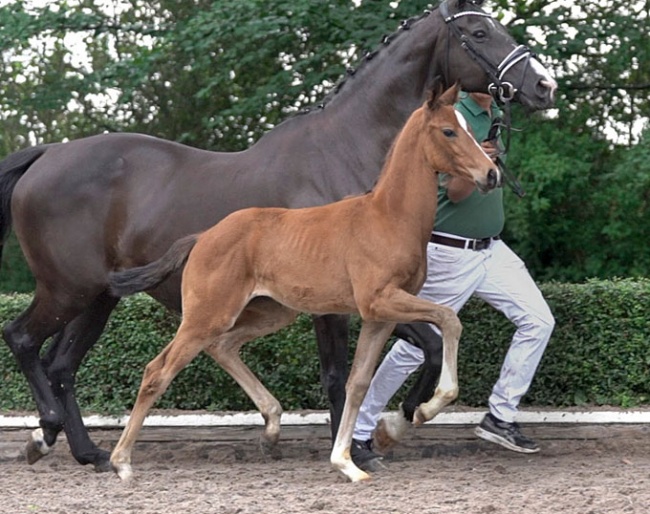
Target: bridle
[502, 91]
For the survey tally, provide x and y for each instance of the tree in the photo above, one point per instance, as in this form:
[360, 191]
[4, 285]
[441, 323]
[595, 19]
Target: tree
[217, 75]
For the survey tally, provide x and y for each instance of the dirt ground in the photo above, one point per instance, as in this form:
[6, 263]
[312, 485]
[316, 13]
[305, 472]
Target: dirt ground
[580, 470]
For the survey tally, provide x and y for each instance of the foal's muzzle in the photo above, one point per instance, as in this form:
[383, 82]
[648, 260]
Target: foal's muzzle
[493, 179]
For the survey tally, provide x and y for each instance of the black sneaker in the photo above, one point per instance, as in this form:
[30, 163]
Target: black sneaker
[506, 434]
[364, 458]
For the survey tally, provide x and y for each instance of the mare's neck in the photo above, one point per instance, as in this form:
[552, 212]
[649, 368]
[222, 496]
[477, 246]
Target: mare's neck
[358, 124]
[407, 190]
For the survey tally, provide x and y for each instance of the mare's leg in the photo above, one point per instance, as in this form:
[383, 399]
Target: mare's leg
[61, 363]
[25, 336]
[372, 338]
[430, 342]
[393, 425]
[261, 317]
[332, 333]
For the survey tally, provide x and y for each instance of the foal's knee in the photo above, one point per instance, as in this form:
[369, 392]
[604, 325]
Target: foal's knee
[357, 390]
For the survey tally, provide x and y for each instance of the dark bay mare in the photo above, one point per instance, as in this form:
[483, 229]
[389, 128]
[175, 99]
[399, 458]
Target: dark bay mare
[91, 206]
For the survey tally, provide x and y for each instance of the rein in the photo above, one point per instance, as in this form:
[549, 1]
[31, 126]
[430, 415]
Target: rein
[510, 178]
[501, 90]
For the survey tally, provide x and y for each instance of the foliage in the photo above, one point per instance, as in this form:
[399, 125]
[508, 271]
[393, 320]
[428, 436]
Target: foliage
[598, 354]
[217, 75]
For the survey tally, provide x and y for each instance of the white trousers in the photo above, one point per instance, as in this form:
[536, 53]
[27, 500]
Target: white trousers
[498, 276]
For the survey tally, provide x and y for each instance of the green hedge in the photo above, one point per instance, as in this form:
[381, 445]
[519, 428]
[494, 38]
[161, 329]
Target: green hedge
[599, 354]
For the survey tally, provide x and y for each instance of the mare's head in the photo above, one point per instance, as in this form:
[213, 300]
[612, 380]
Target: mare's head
[481, 55]
[449, 147]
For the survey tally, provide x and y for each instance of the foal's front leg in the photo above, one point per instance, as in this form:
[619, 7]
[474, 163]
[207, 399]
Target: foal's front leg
[372, 338]
[398, 305]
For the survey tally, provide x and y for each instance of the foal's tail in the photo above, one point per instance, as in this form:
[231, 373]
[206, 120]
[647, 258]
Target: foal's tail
[11, 169]
[135, 280]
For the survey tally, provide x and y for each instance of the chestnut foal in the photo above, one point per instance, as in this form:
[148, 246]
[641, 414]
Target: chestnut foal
[253, 272]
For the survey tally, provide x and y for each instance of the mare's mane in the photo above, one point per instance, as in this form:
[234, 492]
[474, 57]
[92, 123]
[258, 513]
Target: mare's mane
[350, 73]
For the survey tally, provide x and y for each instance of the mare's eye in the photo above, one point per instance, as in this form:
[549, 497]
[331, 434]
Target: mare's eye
[479, 34]
[449, 133]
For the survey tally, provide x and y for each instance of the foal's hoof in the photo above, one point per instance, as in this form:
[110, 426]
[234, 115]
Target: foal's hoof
[124, 471]
[419, 418]
[270, 450]
[36, 447]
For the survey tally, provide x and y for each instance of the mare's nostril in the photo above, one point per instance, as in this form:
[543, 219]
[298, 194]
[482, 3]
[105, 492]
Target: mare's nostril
[547, 87]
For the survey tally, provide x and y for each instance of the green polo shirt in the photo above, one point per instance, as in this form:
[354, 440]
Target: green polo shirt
[479, 215]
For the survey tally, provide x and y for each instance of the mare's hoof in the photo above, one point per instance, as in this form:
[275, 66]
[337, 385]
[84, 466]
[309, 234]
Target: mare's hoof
[102, 463]
[390, 430]
[36, 447]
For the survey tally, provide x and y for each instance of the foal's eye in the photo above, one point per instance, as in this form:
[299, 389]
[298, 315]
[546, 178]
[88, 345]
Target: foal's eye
[449, 133]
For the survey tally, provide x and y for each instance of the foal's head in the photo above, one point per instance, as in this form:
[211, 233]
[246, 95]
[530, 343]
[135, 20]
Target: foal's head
[449, 147]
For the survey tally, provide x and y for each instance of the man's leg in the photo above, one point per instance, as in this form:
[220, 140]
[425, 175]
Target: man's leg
[509, 288]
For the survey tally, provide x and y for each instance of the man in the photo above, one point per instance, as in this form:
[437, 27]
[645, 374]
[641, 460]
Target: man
[467, 257]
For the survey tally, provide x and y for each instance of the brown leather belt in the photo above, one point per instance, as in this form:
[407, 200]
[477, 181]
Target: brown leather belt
[467, 244]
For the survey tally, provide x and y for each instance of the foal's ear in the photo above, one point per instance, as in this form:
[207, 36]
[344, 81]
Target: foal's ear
[436, 91]
[438, 96]
[450, 97]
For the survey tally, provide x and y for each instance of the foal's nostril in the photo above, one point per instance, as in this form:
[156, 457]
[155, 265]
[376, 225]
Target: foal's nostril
[492, 178]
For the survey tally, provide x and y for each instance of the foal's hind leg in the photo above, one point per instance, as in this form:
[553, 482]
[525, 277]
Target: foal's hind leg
[158, 374]
[261, 317]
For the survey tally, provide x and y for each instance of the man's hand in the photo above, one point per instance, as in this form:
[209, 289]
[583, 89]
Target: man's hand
[490, 148]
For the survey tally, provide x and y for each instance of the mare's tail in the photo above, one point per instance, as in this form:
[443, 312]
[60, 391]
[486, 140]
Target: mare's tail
[135, 280]
[11, 169]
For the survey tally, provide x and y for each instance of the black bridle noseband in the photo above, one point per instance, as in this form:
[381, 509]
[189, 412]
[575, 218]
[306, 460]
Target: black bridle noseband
[501, 90]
